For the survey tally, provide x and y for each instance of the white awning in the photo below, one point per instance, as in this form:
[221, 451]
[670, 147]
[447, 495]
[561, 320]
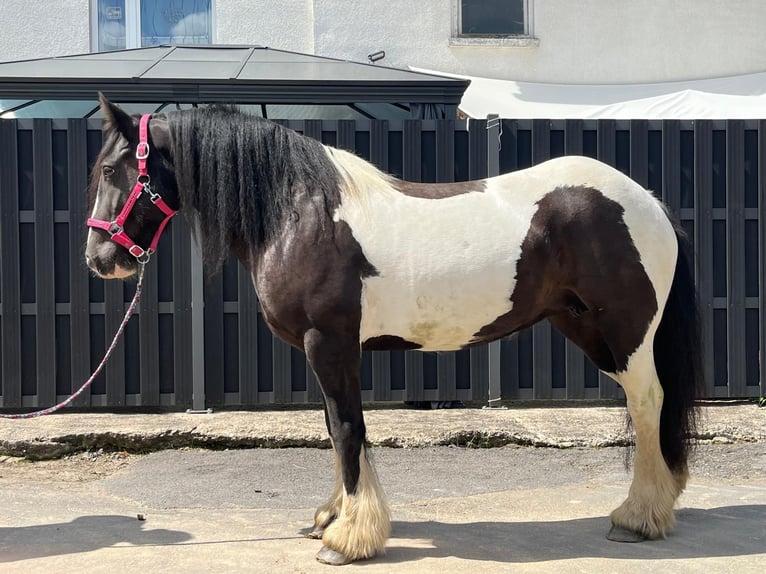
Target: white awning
[733, 97]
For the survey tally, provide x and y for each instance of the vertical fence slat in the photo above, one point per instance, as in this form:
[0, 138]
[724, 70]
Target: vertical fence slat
[114, 307]
[214, 341]
[45, 297]
[542, 357]
[149, 339]
[703, 230]
[607, 152]
[411, 171]
[502, 156]
[183, 322]
[573, 355]
[639, 152]
[247, 338]
[478, 168]
[346, 138]
[281, 356]
[9, 278]
[671, 164]
[735, 259]
[79, 308]
[381, 360]
[446, 372]
[313, 129]
[762, 254]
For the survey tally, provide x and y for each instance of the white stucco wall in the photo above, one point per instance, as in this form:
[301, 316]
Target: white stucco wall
[42, 28]
[286, 24]
[583, 41]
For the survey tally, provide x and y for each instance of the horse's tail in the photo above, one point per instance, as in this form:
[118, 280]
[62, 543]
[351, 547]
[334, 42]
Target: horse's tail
[678, 360]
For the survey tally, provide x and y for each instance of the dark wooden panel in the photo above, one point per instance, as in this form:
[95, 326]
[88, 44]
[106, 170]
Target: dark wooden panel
[183, 353]
[762, 253]
[703, 228]
[9, 278]
[639, 151]
[214, 341]
[149, 338]
[248, 338]
[45, 296]
[79, 307]
[735, 259]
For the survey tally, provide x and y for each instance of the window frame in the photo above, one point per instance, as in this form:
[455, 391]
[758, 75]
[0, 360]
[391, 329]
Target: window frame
[524, 40]
[133, 24]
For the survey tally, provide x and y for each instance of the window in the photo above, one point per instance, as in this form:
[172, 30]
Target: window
[120, 24]
[492, 23]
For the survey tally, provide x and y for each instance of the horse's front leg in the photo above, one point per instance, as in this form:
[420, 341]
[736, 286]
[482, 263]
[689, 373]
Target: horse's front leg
[355, 523]
[330, 510]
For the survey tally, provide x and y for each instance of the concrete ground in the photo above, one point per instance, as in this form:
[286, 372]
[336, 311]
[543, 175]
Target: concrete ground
[539, 502]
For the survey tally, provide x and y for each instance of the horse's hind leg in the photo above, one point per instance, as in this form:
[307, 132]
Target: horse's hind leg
[357, 525]
[648, 510]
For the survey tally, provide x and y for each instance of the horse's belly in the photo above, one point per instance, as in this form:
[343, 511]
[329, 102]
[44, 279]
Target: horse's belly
[445, 268]
[435, 317]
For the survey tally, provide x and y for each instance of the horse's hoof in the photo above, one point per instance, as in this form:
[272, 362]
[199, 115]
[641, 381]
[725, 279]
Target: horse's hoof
[316, 533]
[620, 534]
[327, 556]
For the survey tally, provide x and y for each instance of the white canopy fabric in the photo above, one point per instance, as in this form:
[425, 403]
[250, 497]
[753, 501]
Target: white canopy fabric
[733, 97]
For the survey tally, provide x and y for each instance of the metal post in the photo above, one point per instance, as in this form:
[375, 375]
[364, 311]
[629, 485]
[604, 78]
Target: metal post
[494, 131]
[198, 328]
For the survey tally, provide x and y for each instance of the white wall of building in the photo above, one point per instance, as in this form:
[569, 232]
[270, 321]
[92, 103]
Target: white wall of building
[43, 28]
[582, 41]
[282, 24]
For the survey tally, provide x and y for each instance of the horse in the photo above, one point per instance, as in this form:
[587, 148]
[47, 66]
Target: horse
[346, 258]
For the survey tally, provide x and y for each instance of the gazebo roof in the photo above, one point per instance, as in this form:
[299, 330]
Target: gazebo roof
[190, 74]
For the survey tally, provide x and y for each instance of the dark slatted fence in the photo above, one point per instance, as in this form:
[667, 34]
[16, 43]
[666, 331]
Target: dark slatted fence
[201, 342]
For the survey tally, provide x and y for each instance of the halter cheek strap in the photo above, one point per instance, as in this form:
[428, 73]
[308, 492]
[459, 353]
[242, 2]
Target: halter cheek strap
[115, 228]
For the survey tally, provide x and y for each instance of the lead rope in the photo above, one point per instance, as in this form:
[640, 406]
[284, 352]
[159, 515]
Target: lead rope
[120, 330]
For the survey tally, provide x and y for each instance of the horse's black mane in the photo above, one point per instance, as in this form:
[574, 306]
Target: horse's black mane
[238, 176]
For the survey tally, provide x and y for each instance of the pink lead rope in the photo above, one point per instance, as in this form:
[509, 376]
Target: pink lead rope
[62, 404]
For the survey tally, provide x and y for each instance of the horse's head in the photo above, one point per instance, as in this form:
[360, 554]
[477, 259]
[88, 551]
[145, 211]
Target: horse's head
[132, 192]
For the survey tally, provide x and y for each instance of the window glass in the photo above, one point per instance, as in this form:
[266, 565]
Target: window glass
[54, 109]
[175, 22]
[111, 25]
[491, 17]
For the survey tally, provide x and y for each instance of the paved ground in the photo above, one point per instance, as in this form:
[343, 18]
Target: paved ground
[507, 509]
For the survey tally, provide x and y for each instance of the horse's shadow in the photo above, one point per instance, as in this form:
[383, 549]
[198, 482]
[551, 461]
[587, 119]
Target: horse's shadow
[82, 534]
[699, 533]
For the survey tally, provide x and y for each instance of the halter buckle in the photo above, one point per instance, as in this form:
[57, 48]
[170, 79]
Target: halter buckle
[142, 150]
[114, 228]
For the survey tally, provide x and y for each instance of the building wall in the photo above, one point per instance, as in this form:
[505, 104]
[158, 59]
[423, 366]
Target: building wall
[286, 24]
[587, 41]
[43, 28]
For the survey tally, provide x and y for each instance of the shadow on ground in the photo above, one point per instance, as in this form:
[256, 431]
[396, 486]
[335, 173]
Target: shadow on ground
[699, 533]
[83, 534]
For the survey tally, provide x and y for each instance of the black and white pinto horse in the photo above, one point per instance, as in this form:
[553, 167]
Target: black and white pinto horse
[345, 258]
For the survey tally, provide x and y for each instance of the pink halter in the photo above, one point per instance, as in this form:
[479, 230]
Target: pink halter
[115, 227]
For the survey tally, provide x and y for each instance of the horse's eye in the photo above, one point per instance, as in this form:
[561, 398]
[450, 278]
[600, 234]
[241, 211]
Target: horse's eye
[107, 171]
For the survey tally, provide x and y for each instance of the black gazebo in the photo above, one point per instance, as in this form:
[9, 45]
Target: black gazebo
[277, 84]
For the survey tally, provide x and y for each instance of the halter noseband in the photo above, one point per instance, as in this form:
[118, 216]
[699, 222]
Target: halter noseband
[115, 228]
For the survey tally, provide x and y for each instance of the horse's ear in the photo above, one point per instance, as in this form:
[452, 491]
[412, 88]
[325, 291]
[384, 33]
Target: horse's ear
[115, 118]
